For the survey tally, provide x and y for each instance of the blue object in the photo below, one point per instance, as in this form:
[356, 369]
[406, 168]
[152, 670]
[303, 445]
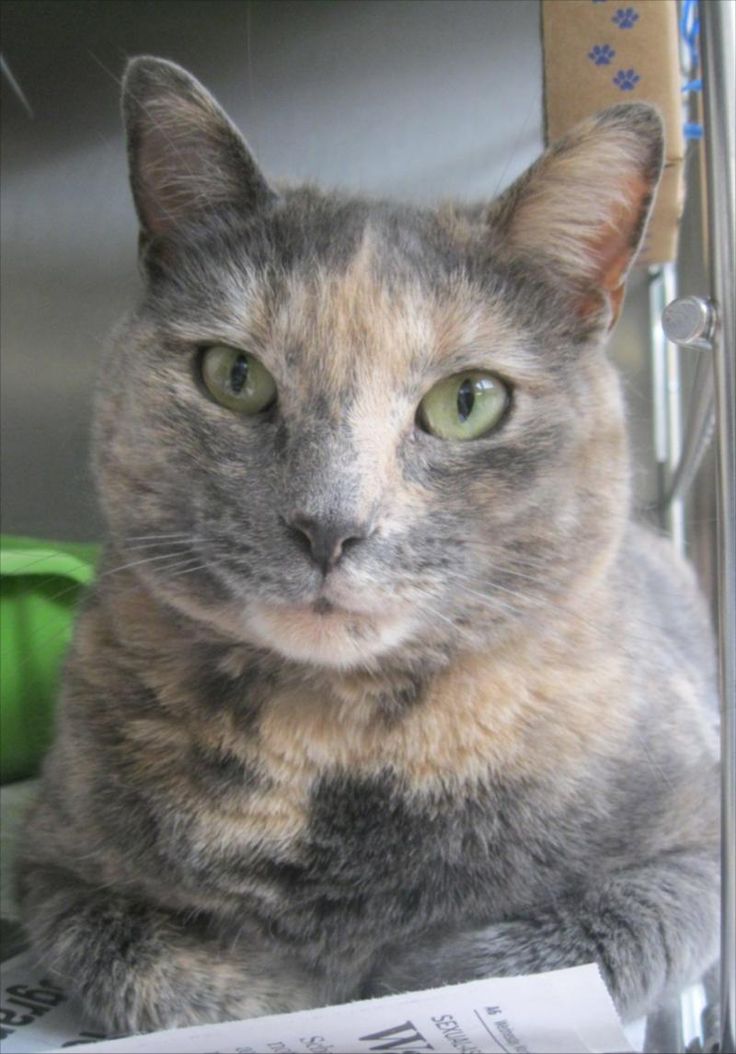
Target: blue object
[601, 54]
[626, 80]
[625, 17]
[692, 130]
[690, 28]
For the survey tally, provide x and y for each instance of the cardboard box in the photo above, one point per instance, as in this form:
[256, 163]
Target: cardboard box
[601, 52]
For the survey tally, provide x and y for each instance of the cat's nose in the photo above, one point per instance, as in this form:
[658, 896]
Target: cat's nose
[326, 541]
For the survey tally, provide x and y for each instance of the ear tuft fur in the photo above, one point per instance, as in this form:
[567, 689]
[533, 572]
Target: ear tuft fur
[186, 157]
[582, 207]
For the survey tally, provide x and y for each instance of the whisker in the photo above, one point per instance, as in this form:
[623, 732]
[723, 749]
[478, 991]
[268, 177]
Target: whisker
[137, 546]
[435, 613]
[12, 81]
[190, 570]
[170, 534]
[111, 571]
[540, 603]
[549, 601]
[488, 604]
[488, 598]
[137, 563]
[66, 630]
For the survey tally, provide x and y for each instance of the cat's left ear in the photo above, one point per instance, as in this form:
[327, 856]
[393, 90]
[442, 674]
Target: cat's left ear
[187, 159]
[581, 210]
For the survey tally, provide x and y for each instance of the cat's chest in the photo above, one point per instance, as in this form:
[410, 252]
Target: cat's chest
[321, 821]
[369, 857]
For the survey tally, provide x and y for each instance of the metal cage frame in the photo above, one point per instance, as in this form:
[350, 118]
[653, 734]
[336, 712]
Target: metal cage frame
[709, 323]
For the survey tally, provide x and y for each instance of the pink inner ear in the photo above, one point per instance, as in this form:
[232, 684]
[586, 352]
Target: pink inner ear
[174, 172]
[614, 247]
[154, 212]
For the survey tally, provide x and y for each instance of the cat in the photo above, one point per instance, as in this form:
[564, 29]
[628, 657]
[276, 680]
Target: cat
[379, 687]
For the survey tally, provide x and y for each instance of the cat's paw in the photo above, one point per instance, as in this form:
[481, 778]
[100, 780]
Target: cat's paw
[196, 989]
[505, 949]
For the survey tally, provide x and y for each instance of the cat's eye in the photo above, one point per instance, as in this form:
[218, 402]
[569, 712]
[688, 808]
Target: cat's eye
[237, 380]
[464, 406]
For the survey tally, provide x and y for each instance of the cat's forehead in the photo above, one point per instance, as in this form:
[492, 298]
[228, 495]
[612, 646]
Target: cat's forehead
[342, 295]
[389, 304]
[362, 312]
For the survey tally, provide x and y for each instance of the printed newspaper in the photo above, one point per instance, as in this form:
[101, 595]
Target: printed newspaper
[567, 1011]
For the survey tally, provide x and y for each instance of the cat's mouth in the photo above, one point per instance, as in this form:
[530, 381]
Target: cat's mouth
[324, 632]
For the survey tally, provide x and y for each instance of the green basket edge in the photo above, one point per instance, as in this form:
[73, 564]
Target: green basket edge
[21, 556]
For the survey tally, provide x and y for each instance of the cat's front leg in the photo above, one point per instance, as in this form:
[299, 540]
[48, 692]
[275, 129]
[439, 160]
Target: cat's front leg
[137, 967]
[652, 931]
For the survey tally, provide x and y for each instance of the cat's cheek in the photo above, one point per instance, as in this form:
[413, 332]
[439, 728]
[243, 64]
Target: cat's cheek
[339, 640]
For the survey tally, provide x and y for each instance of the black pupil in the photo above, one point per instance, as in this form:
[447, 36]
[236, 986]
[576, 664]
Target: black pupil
[465, 400]
[239, 374]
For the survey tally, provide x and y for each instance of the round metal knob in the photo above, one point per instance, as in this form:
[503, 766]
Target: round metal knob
[689, 320]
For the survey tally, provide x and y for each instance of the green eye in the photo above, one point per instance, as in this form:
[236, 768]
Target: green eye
[465, 406]
[237, 380]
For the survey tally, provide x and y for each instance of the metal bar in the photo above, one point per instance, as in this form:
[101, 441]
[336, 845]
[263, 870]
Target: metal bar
[718, 37]
[667, 409]
[689, 322]
[698, 431]
[659, 390]
[676, 508]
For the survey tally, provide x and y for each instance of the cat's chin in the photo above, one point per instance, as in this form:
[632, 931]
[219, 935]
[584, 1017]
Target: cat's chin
[327, 636]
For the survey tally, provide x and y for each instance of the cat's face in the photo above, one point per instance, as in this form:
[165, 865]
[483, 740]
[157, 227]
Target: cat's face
[346, 431]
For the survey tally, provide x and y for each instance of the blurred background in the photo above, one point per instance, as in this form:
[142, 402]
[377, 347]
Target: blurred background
[416, 99]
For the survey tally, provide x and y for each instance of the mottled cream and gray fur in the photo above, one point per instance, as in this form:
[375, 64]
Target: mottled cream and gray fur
[477, 739]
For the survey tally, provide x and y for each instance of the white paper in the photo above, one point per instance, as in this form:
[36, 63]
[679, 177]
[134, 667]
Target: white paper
[567, 1011]
[35, 1015]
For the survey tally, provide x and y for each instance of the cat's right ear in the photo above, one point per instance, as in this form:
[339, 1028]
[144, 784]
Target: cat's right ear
[187, 160]
[580, 211]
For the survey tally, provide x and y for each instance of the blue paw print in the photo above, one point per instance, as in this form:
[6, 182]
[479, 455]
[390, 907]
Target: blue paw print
[625, 17]
[626, 80]
[601, 54]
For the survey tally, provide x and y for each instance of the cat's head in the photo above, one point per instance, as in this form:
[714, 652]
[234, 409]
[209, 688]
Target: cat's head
[350, 430]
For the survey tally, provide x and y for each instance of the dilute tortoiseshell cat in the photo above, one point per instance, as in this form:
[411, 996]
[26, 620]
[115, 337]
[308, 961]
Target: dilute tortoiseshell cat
[379, 687]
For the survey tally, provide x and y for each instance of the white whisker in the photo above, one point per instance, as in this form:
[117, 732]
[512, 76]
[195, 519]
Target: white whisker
[137, 546]
[156, 537]
[189, 570]
[137, 563]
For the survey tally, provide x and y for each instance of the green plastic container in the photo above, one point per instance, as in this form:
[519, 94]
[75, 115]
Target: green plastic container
[41, 584]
